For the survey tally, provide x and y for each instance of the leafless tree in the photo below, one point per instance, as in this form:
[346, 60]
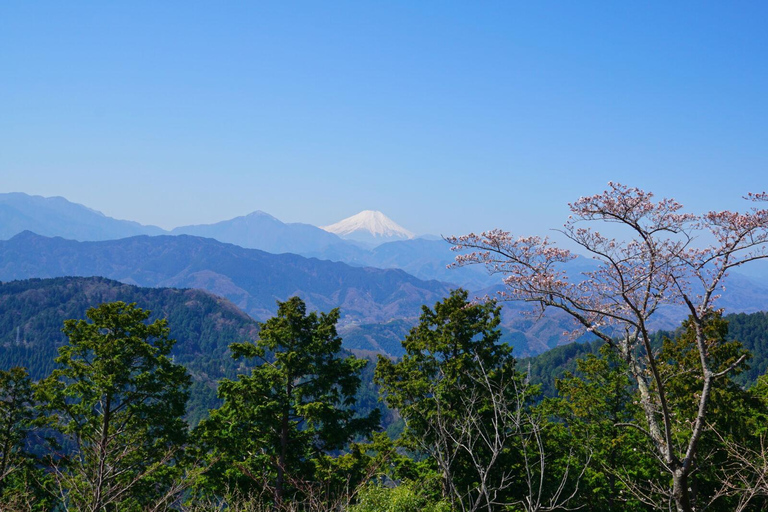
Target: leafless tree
[74, 477]
[746, 476]
[496, 417]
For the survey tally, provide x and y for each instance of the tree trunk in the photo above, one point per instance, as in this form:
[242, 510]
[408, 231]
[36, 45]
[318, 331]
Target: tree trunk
[281, 461]
[102, 454]
[680, 491]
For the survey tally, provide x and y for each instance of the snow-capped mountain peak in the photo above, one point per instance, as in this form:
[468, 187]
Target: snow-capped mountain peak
[369, 226]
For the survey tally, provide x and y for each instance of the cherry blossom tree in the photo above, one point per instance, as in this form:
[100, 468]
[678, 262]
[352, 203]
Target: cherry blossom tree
[658, 262]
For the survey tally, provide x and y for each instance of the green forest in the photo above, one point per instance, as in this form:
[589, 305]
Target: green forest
[246, 416]
[297, 426]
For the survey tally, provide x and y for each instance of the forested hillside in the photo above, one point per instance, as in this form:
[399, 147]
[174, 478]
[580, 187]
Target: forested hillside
[297, 425]
[751, 330]
[32, 313]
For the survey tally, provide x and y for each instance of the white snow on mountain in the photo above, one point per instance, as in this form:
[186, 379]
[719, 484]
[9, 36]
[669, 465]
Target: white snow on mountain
[369, 226]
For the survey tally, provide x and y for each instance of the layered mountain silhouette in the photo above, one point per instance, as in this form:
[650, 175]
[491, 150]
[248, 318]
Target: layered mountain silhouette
[251, 279]
[55, 216]
[390, 246]
[378, 304]
[260, 230]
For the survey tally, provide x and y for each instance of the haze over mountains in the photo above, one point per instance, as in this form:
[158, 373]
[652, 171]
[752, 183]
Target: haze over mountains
[260, 230]
[388, 246]
[256, 259]
[252, 279]
[55, 216]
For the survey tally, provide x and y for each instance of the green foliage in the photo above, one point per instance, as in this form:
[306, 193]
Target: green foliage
[293, 408]
[729, 409]
[546, 368]
[452, 387]
[289, 433]
[679, 363]
[118, 400]
[32, 313]
[758, 423]
[22, 481]
[597, 406]
[751, 330]
[601, 408]
[16, 415]
[408, 496]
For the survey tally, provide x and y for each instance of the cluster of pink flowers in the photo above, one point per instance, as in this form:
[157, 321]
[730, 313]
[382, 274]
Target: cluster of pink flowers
[655, 264]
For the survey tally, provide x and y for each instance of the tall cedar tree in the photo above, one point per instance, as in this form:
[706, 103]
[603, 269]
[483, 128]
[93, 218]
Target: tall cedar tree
[118, 399]
[602, 410]
[16, 414]
[22, 479]
[455, 387]
[597, 404]
[293, 407]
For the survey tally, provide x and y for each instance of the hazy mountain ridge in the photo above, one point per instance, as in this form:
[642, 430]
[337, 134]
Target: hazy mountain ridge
[250, 278]
[377, 306]
[206, 265]
[56, 216]
[426, 259]
[260, 230]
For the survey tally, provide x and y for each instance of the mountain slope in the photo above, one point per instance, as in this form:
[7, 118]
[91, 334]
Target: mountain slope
[426, 259]
[429, 259]
[369, 226]
[32, 313]
[751, 330]
[250, 278]
[259, 230]
[253, 280]
[55, 216]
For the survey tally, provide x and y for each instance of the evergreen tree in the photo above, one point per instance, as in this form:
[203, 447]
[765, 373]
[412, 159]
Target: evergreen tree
[466, 406]
[295, 406]
[16, 413]
[118, 401]
[598, 405]
[22, 479]
[603, 412]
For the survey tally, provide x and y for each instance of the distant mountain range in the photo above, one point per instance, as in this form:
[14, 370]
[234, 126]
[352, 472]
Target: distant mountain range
[252, 279]
[380, 289]
[260, 230]
[389, 245]
[55, 216]
[378, 306]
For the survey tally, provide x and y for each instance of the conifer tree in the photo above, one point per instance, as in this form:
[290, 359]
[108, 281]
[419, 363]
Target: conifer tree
[118, 400]
[294, 406]
[466, 406]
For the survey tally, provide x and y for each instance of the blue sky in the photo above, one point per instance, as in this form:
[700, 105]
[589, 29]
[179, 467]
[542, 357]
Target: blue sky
[447, 116]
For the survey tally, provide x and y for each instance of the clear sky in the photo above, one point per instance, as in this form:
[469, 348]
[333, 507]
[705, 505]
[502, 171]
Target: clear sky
[447, 116]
